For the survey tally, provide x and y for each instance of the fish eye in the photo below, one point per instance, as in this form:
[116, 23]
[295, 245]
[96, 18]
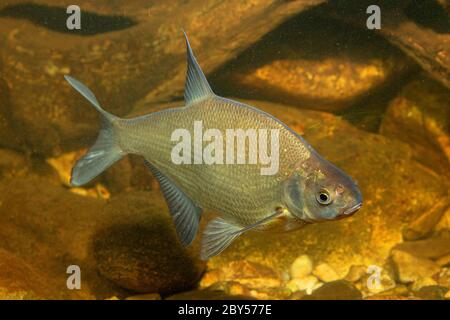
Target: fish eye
[323, 197]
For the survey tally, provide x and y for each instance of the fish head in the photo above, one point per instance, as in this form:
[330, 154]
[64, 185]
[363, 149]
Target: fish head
[319, 191]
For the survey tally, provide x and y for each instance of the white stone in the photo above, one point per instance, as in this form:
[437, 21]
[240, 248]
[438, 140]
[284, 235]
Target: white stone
[301, 267]
[307, 283]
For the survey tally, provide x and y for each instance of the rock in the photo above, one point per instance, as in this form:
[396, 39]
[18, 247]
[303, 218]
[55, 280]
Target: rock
[427, 46]
[245, 277]
[444, 223]
[424, 224]
[325, 273]
[308, 70]
[140, 250]
[376, 280]
[307, 284]
[335, 290]
[130, 240]
[48, 232]
[301, 267]
[443, 278]
[355, 273]
[64, 163]
[432, 293]
[444, 261]
[423, 282]
[432, 248]
[420, 117]
[398, 292]
[410, 268]
[20, 281]
[146, 296]
[147, 52]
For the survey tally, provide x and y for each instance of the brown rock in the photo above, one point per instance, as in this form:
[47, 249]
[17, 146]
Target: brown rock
[444, 261]
[377, 280]
[424, 224]
[432, 293]
[140, 250]
[420, 117]
[423, 282]
[147, 52]
[444, 224]
[428, 45]
[443, 278]
[132, 241]
[335, 290]
[50, 231]
[398, 292]
[355, 273]
[410, 268]
[245, 277]
[432, 248]
[306, 69]
[19, 280]
[325, 273]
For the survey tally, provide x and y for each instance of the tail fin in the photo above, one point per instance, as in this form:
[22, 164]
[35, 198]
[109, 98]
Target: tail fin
[105, 150]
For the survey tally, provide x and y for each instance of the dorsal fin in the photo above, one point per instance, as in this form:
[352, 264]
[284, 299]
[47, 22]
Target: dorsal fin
[197, 87]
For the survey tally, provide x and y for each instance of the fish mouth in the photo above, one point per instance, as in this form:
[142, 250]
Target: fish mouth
[350, 211]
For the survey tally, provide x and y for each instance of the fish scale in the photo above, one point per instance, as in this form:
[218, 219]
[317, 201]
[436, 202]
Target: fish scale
[244, 194]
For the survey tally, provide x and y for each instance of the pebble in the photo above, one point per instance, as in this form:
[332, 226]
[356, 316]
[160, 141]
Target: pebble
[307, 283]
[335, 290]
[355, 273]
[410, 268]
[301, 267]
[423, 282]
[325, 273]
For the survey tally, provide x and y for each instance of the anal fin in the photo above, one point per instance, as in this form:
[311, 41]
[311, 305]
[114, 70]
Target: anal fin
[185, 213]
[219, 234]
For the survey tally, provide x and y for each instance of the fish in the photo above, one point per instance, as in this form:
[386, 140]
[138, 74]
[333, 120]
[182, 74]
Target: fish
[306, 188]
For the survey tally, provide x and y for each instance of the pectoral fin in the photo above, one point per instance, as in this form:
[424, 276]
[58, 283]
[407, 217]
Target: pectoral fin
[219, 234]
[186, 214]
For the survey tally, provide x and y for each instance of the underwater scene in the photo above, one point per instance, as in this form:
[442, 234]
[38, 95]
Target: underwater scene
[219, 150]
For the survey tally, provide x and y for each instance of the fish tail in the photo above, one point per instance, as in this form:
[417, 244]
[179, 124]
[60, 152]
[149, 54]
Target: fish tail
[105, 150]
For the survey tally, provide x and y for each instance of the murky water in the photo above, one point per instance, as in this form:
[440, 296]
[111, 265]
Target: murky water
[368, 90]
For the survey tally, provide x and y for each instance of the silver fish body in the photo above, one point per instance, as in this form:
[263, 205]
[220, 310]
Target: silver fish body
[238, 192]
[305, 187]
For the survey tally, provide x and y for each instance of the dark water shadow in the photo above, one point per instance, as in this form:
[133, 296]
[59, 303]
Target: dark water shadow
[315, 35]
[429, 14]
[54, 18]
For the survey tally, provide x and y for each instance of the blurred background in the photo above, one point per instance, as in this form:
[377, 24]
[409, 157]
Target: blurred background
[374, 102]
